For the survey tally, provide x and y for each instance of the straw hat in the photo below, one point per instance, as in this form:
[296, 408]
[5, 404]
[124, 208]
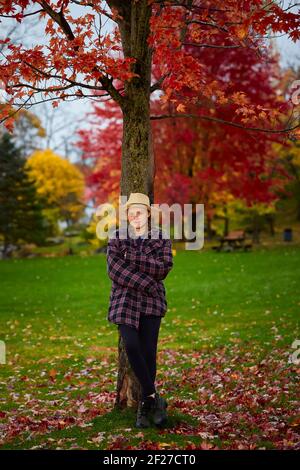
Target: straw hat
[141, 198]
[138, 198]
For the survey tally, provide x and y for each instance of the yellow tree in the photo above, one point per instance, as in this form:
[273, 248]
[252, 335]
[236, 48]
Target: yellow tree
[223, 203]
[60, 183]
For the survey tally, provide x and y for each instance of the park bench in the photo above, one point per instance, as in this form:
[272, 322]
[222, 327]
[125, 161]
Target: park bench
[235, 240]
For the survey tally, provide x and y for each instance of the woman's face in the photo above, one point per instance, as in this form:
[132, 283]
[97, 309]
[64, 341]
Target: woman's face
[138, 215]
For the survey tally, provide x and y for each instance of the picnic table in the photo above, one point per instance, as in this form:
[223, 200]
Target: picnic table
[235, 240]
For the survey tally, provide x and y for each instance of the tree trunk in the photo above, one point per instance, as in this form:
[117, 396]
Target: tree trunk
[256, 229]
[226, 222]
[138, 166]
[208, 226]
[5, 251]
[226, 226]
[271, 222]
[298, 210]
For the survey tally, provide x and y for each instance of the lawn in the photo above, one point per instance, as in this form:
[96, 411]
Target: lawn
[223, 354]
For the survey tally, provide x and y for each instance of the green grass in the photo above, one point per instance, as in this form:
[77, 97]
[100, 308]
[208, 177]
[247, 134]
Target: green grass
[239, 308]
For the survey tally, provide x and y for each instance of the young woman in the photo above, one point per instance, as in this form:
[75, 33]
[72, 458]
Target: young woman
[137, 263]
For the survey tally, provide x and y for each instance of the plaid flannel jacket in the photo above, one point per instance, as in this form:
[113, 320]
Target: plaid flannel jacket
[137, 274]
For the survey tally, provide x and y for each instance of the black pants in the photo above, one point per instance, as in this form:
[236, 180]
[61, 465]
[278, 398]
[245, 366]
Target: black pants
[141, 349]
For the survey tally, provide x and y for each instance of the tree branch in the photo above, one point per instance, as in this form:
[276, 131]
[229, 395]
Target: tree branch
[90, 4]
[156, 85]
[18, 85]
[23, 16]
[59, 18]
[223, 121]
[56, 98]
[58, 77]
[214, 46]
[205, 23]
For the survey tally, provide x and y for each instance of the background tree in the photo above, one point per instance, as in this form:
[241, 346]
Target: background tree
[21, 218]
[60, 183]
[290, 158]
[28, 132]
[203, 161]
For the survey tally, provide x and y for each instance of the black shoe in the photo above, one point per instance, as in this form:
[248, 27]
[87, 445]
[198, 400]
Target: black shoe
[159, 411]
[144, 411]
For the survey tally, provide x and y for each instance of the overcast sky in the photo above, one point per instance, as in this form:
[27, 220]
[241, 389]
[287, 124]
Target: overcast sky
[70, 115]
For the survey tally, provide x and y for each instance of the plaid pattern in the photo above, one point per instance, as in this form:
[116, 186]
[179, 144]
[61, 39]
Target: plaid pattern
[137, 271]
